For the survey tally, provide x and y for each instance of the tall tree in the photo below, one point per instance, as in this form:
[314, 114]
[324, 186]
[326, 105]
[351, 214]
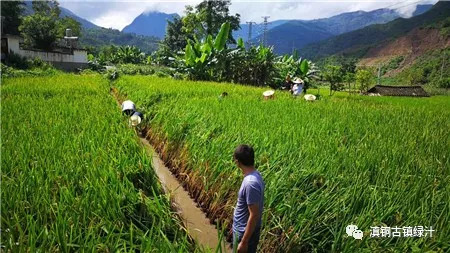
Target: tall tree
[11, 11]
[68, 23]
[207, 18]
[44, 27]
[364, 79]
[333, 74]
[47, 7]
[39, 31]
[176, 38]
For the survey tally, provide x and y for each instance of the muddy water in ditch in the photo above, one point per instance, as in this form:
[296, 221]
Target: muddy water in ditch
[196, 222]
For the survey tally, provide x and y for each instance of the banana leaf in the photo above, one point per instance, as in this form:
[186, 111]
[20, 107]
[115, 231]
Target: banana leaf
[222, 36]
[189, 55]
[240, 43]
[304, 67]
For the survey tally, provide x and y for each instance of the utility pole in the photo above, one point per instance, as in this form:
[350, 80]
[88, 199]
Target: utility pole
[379, 74]
[250, 24]
[265, 29]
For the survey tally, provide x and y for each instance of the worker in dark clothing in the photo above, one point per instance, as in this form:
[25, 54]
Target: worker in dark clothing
[287, 84]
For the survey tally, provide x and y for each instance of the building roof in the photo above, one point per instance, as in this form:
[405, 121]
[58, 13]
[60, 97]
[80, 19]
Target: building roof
[11, 36]
[409, 91]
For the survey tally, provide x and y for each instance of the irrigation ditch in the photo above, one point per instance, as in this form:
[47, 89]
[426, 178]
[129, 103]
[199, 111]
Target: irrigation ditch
[199, 223]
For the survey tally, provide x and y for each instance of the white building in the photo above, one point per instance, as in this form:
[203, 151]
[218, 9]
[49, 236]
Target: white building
[65, 58]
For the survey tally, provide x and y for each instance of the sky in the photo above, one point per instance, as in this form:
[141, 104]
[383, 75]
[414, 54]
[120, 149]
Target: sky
[119, 13]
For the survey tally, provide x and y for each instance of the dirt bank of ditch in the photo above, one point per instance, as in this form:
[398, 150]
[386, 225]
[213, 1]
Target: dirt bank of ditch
[196, 222]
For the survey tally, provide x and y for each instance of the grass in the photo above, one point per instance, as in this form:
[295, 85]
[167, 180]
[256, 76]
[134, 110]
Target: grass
[368, 161]
[73, 175]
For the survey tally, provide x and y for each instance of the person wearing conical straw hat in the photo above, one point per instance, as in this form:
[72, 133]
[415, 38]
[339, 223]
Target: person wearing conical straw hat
[298, 87]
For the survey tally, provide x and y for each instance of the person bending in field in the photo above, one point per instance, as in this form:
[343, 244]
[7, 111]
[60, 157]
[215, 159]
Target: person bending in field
[288, 84]
[250, 202]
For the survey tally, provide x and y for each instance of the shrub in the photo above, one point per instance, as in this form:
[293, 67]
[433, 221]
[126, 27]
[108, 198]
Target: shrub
[16, 61]
[112, 74]
[394, 63]
[364, 79]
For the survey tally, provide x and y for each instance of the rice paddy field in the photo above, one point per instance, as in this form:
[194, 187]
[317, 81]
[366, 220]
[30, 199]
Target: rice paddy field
[73, 176]
[368, 161]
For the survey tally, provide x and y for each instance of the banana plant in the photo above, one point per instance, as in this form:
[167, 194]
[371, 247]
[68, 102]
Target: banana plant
[302, 68]
[199, 56]
[295, 66]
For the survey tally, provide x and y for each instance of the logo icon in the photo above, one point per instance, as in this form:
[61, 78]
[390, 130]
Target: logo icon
[352, 230]
[358, 234]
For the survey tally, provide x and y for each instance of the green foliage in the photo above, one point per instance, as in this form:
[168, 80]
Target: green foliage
[68, 23]
[369, 161]
[42, 29]
[103, 37]
[431, 69]
[210, 59]
[128, 54]
[175, 41]
[355, 41]
[149, 60]
[198, 56]
[364, 79]
[17, 62]
[349, 77]
[175, 38]
[46, 7]
[11, 11]
[39, 31]
[294, 66]
[255, 66]
[112, 74]
[240, 43]
[71, 166]
[141, 69]
[348, 64]
[334, 75]
[394, 63]
[444, 28]
[27, 67]
[119, 55]
[207, 18]
[222, 37]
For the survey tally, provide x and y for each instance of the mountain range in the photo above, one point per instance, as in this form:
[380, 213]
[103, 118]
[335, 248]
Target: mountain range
[358, 42]
[150, 24]
[86, 24]
[298, 33]
[284, 35]
[315, 38]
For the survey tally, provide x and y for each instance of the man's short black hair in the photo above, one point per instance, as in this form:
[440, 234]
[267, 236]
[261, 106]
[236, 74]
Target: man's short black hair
[245, 155]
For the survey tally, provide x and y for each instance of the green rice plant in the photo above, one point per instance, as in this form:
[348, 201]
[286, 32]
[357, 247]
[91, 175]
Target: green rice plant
[368, 161]
[73, 176]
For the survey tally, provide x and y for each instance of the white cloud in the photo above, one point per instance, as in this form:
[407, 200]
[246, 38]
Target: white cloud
[118, 14]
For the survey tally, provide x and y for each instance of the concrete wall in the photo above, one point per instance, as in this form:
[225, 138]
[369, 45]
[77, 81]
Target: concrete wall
[77, 56]
[65, 61]
[13, 44]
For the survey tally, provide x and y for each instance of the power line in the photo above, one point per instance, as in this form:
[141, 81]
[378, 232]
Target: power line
[265, 29]
[399, 2]
[396, 8]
